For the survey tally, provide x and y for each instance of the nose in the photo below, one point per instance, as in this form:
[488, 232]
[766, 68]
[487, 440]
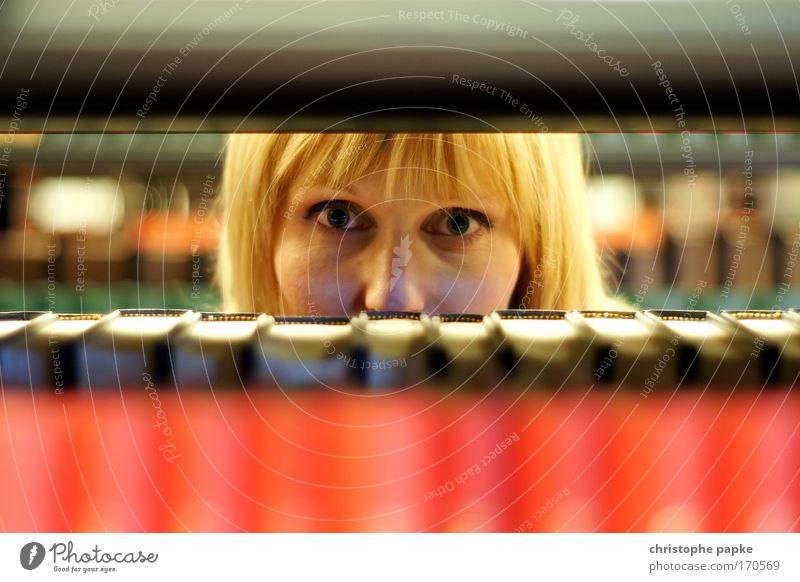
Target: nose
[393, 280]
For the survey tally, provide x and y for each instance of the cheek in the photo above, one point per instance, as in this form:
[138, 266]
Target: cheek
[495, 293]
[290, 270]
[490, 288]
[481, 280]
[307, 276]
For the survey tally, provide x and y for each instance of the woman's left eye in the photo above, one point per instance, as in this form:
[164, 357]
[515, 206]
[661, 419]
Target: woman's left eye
[459, 222]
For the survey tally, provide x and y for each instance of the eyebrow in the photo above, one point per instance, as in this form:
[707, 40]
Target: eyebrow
[346, 189]
[489, 205]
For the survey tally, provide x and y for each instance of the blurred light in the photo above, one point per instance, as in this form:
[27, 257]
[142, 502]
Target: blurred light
[91, 205]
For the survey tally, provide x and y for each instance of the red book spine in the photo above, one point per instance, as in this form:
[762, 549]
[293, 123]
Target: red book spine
[38, 476]
[662, 481]
[289, 469]
[397, 464]
[472, 488]
[211, 462]
[122, 469]
[557, 467]
[759, 460]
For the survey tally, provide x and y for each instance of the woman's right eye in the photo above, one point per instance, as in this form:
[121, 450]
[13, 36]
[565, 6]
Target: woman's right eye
[338, 215]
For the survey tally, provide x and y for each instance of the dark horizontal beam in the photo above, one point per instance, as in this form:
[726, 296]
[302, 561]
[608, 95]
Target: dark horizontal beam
[399, 66]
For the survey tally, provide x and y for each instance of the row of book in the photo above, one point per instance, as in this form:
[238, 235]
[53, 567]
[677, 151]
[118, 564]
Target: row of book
[582, 460]
[640, 351]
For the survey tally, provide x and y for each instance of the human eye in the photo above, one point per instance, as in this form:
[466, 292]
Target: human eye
[338, 215]
[463, 222]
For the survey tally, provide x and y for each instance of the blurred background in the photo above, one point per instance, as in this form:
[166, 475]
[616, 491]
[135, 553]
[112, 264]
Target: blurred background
[96, 222]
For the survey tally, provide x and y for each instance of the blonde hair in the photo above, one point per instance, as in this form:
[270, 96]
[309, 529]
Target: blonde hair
[540, 178]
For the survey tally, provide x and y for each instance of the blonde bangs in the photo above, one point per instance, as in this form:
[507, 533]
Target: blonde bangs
[451, 169]
[454, 169]
[332, 160]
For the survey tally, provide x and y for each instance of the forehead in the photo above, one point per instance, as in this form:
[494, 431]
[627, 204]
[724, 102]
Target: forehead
[422, 185]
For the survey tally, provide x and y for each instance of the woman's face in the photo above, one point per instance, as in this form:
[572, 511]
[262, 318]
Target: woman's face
[340, 252]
